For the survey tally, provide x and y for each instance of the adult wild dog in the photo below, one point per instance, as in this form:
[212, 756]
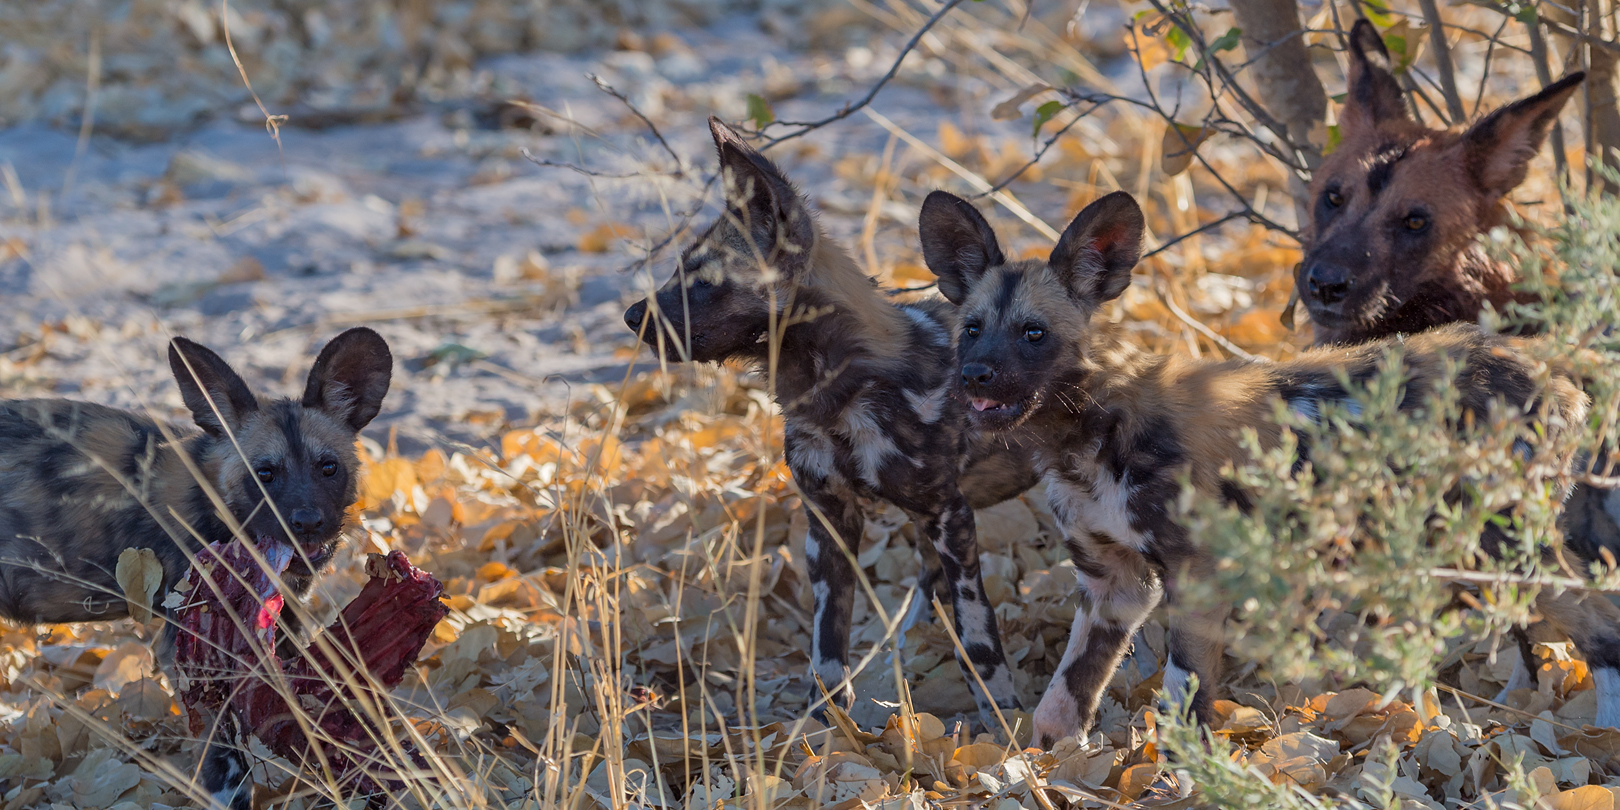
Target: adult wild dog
[1397, 210]
[1393, 243]
[866, 392]
[80, 483]
[1114, 429]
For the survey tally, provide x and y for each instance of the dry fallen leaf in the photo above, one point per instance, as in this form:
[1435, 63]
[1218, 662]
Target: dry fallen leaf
[1587, 797]
[140, 575]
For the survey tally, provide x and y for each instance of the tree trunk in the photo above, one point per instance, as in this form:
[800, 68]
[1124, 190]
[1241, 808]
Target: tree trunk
[1286, 82]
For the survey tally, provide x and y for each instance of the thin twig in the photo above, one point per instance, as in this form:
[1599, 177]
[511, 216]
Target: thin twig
[1207, 332]
[272, 123]
[651, 127]
[850, 109]
[1007, 200]
[1041, 152]
[1485, 72]
[1488, 702]
[587, 172]
[1208, 226]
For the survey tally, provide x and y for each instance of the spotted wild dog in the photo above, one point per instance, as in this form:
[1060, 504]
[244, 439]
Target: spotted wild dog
[1393, 245]
[1114, 429]
[1393, 241]
[865, 387]
[80, 483]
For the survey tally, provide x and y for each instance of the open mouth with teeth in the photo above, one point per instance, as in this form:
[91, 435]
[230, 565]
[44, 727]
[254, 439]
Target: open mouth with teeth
[316, 557]
[992, 414]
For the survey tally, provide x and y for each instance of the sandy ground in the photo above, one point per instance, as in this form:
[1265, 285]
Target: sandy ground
[420, 227]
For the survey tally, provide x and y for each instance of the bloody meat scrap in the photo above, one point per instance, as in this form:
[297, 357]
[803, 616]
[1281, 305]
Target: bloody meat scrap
[235, 677]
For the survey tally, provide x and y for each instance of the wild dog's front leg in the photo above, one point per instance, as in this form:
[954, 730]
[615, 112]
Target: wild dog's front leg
[953, 535]
[1117, 591]
[835, 533]
[1195, 641]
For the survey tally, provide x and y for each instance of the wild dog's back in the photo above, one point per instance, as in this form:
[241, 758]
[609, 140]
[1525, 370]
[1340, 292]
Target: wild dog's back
[78, 484]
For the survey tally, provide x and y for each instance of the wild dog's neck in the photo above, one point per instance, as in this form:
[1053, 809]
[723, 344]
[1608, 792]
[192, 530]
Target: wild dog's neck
[186, 472]
[841, 330]
[1477, 279]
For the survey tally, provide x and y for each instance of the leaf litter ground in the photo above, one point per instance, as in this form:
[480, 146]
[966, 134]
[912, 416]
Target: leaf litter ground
[593, 575]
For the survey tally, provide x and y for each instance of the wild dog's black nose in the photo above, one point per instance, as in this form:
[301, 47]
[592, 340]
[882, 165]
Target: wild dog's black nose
[977, 374]
[1329, 283]
[635, 315]
[305, 521]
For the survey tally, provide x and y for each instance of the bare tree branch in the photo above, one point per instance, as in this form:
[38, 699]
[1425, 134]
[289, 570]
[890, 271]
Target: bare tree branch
[1442, 60]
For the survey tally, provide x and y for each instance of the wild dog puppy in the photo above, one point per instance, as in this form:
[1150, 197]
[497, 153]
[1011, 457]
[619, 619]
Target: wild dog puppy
[1398, 208]
[866, 391]
[1114, 428]
[80, 483]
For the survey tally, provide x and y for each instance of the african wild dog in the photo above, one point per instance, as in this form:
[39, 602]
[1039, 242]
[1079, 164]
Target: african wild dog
[865, 387]
[1393, 242]
[80, 483]
[1393, 245]
[1114, 429]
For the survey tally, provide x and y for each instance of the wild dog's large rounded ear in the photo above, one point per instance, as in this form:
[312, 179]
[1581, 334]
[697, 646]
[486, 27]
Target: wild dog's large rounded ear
[1498, 149]
[957, 243]
[1374, 95]
[350, 377]
[215, 393]
[1098, 249]
[764, 203]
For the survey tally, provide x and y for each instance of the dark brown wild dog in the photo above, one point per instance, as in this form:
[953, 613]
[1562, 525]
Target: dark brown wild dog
[866, 391]
[1393, 245]
[80, 483]
[1114, 429]
[1397, 209]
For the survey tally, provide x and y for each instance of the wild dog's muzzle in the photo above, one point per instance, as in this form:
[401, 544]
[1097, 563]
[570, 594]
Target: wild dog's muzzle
[636, 315]
[1328, 284]
[992, 405]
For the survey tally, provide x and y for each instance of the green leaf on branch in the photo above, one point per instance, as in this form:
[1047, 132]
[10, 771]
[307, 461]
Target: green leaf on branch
[1044, 113]
[1378, 13]
[1225, 42]
[1179, 42]
[1403, 45]
[759, 110]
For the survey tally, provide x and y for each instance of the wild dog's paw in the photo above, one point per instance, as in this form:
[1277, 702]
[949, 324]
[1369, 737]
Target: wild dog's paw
[829, 684]
[1057, 717]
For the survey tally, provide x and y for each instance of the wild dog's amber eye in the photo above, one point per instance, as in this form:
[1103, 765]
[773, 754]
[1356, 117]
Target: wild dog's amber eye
[1033, 334]
[265, 474]
[1416, 222]
[1334, 198]
[329, 469]
[971, 330]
